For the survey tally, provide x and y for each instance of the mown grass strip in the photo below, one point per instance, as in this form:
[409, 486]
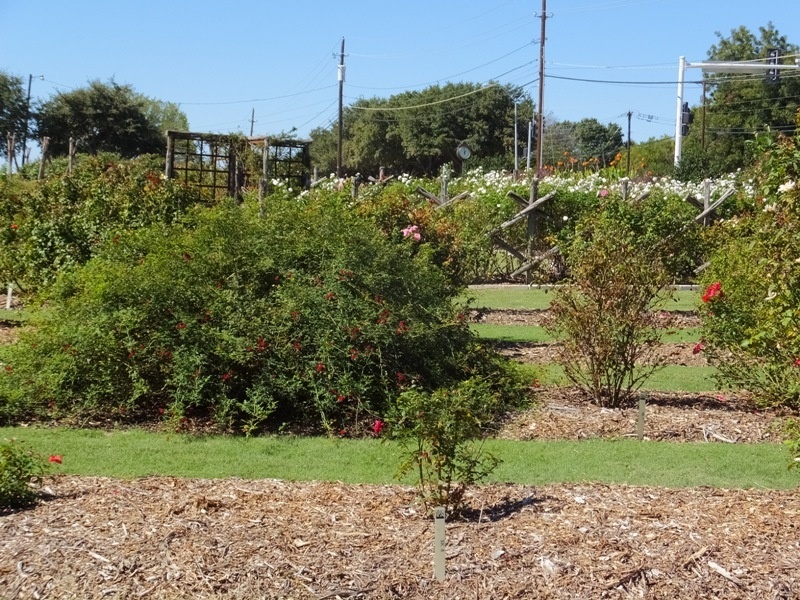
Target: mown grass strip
[672, 378]
[537, 334]
[135, 453]
[630, 462]
[13, 315]
[524, 298]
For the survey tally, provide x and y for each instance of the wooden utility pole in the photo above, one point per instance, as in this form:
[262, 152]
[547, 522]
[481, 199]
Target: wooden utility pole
[252, 120]
[540, 112]
[340, 76]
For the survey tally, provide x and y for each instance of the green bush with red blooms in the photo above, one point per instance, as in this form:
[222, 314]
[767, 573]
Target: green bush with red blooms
[57, 224]
[751, 300]
[310, 317]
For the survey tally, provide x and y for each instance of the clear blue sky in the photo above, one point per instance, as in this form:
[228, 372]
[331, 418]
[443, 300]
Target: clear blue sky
[220, 60]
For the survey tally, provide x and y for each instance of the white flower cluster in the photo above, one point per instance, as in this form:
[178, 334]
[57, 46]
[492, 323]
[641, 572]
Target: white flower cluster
[786, 187]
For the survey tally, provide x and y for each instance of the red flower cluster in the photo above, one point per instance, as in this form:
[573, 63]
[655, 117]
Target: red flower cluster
[320, 367]
[698, 348]
[55, 458]
[713, 291]
[378, 426]
[402, 327]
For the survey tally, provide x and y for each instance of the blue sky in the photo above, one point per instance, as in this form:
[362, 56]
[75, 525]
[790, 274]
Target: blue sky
[222, 60]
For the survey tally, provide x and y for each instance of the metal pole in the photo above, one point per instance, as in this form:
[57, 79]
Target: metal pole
[27, 118]
[530, 136]
[340, 75]
[516, 144]
[678, 134]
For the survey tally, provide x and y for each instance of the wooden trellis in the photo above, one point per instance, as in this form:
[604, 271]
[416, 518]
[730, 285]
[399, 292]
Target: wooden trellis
[224, 165]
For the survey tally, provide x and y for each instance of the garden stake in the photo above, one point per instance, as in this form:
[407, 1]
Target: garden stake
[439, 543]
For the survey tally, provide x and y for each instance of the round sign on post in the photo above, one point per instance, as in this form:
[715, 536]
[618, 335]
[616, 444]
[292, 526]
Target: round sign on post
[463, 151]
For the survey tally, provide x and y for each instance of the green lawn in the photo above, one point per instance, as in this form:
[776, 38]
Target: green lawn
[536, 334]
[524, 298]
[672, 378]
[13, 315]
[135, 453]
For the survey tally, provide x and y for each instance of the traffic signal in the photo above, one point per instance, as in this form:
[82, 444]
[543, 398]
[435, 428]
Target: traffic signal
[686, 118]
[773, 56]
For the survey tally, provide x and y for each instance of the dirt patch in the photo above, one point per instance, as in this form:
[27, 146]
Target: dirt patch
[8, 333]
[170, 538]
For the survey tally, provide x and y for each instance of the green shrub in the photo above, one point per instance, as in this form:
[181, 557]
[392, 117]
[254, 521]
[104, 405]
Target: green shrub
[442, 432]
[751, 320]
[57, 224]
[21, 471]
[603, 317]
[310, 316]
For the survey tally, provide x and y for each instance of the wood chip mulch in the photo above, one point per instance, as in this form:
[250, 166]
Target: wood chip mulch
[162, 538]
[561, 414]
[169, 538]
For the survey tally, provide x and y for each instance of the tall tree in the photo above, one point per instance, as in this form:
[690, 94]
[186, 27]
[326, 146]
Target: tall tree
[740, 106]
[584, 141]
[13, 107]
[597, 141]
[419, 131]
[107, 117]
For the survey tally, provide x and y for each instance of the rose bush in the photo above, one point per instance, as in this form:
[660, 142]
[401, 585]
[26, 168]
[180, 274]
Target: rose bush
[310, 316]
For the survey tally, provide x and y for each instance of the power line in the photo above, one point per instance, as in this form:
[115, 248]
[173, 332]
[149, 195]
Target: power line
[451, 76]
[616, 81]
[425, 105]
[254, 99]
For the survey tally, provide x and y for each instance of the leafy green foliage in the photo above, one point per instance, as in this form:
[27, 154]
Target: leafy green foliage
[751, 323]
[604, 317]
[13, 106]
[418, 131]
[442, 434]
[55, 225]
[20, 470]
[107, 117]
[310, 316]
[737, 107]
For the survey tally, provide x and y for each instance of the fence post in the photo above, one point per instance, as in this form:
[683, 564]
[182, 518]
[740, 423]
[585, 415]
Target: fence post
[9, 295]
[531, 231]
[706, 199]
[45, 143]
[169, 168]
[73, 146]
[10, 141]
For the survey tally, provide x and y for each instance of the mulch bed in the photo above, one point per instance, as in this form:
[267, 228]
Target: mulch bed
[176, 538]
[169, 538]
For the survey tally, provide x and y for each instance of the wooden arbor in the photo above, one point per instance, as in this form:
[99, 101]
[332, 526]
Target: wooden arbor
[224, 165]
